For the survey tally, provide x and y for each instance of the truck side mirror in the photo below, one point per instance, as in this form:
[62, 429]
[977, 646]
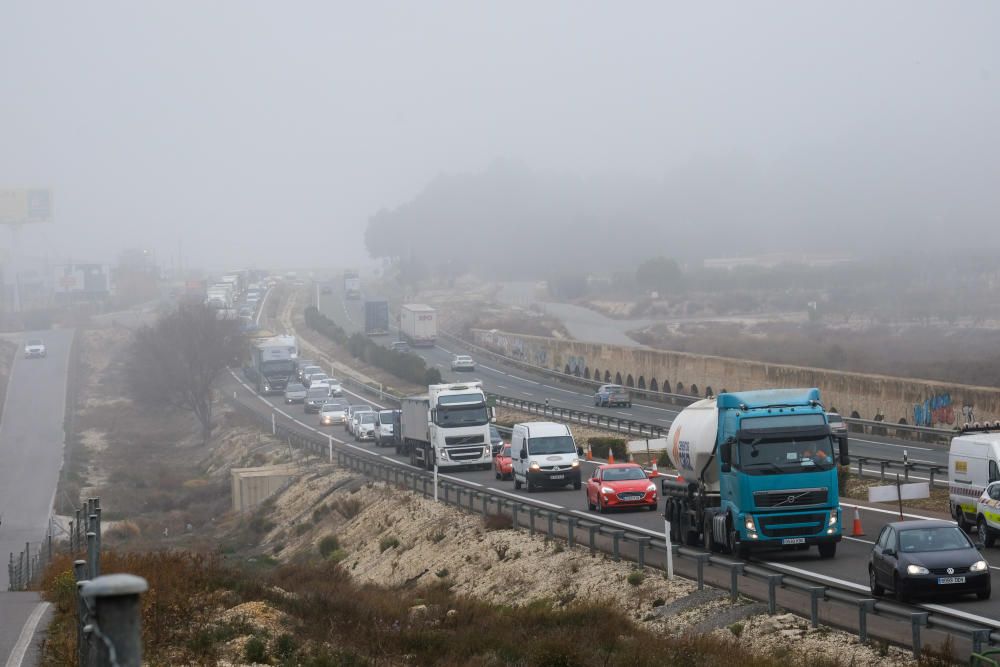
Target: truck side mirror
[492, 413]
[726, 455]
[434, 416]
[579, 451]
[845, 457]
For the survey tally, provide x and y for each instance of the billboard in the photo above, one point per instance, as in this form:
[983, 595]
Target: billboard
[20, 206]
[81, 279]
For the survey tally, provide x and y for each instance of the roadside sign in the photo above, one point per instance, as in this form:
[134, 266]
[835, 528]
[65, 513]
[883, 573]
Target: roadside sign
[19, 206]
[890, 493]
[651, 445]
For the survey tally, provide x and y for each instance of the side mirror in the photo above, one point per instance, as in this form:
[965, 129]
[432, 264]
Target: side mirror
[434, 415]
[845, 457]
[726, 455]
[579, 451]
[524, 454]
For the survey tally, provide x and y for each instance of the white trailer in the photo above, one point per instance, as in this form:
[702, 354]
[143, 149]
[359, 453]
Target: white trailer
[418, 324]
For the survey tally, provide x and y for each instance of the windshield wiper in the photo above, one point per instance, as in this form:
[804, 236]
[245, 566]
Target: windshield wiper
[774, 466]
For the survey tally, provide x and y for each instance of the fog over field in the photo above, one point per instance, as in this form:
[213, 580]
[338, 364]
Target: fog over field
[275, 134]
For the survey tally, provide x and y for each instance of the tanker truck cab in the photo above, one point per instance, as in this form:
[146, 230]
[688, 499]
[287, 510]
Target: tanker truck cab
[544, 454]
[766, 469]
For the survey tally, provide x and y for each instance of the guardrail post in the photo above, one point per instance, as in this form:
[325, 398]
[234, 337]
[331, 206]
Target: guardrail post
[117, 618]
[865, 607]
[458, 496]
[860, 463]
[735, 570]
[27, 562]
[570, 525]
[91, 556]
[931, 472]
[593, 543]
[80, 574]
[980, 638]
[616, 535]
[702, 560]
[815, 593]
[486, 504]
[917, 619]
[531, 519]
[881, 465]
[552, 518]
[513, 515]
[445, 486]
[773, 581]
[642, 542]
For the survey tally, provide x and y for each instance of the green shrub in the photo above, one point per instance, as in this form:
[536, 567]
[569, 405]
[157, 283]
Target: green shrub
[328, 545]
[284, 646]
[601, 445]
[388, 542]
[636, 577]
[255, 651]
[301, 529]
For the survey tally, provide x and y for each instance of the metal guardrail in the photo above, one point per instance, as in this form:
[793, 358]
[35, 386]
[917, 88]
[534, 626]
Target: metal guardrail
[869, 426]
[610, 422]
[645, 548]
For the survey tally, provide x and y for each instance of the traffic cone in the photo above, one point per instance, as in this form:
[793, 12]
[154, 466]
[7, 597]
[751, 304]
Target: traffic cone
[858, 530]
[590, 454]
[655, 472]
[611, 455]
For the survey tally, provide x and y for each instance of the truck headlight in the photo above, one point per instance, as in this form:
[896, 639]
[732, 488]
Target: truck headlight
[916, 569]
[534, 466]
[833, 519]
[978, 566]
[750, 525]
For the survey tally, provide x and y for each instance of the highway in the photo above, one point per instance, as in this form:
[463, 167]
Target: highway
[848, 569]
[31, 456]
[521, 383]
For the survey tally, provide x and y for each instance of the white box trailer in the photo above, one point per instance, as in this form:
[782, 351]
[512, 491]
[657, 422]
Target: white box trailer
[448, 426]
[418, 324]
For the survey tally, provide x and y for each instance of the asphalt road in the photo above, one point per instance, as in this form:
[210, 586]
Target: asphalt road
[31, 455]
[519, 383]
[848, 568]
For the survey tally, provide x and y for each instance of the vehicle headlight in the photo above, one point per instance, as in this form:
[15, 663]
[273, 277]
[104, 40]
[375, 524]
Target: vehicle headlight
[978, 566]
[651, 487]
[833, 519]
[575, 463]
[750, 525]
[916, 569]
[607, 490]
[534, 466]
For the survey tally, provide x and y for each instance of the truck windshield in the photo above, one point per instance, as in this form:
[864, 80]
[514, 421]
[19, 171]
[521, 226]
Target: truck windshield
[284, 366]
[462, 415]
[553, 444]
[786, 453]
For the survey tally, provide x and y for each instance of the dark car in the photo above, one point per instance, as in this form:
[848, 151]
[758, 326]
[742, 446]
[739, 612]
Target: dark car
[920, 558]
[612, 394]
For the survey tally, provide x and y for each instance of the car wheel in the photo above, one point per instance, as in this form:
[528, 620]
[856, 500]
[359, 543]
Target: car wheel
[601, 509]
[960, 519]
[983, 595]
[590, 505]
[498, 475]
[987, 536]
[876, 588]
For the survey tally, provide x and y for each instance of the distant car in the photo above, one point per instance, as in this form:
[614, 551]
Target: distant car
[503, 464]
[926, 557]
[988, 515]
[352, 411]
[837, 425]
[34, 347]
[619, 486]
[496, 440]
[295, 393]
[315, 398]
[384, 427]
[399, 346]
[301, 365]
[612, 394]
[305, 372]
[316, 378]
[332, 412]
[463, 362]
[364, 425]
[335, 387]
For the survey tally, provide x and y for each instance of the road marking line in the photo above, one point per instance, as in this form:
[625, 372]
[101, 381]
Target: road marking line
[627, 414]
[526, 393]
[893, 512]
[630, 526]
[16, 657]
[890, 444]
[500, 386]
[523, 498]
[814, 575]
[565, 391]
[459, 479]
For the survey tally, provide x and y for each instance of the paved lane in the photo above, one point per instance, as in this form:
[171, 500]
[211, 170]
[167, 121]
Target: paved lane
[31, 455]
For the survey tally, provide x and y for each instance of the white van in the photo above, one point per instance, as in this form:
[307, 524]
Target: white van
[544, 454]
[973, 462]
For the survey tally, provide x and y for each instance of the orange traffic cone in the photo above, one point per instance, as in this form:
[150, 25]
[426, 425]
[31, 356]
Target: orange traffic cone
[590, 454]
[655, 472]
[611, 455]
[858, 530]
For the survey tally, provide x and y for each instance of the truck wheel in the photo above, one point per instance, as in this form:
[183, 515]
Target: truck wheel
[827, 549]
[707, 538]
[960, 519]
[985, 534]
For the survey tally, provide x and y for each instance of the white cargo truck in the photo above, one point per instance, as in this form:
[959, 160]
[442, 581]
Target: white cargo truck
[449, 426]
[418, 324]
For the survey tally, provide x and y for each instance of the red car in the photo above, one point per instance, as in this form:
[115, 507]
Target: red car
[503, 465]
[620, 485]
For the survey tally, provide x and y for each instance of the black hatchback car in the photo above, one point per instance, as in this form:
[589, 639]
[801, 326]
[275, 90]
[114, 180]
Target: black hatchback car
[918, 558]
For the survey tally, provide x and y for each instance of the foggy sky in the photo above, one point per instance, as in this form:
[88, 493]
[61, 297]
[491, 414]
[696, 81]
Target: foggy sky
[268, 133]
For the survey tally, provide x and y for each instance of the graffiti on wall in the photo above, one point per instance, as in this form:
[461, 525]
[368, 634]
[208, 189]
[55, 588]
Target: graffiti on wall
[935, 410]
[576, 365]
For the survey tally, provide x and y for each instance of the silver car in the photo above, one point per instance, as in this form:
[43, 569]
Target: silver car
[333, 412]
[364, 425]
[352, 414]
[463, 362]
[34, 347]
[295, 393]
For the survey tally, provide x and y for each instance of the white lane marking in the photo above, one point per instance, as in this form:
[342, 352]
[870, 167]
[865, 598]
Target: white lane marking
[16, 657]
[617, 523]
[500, 386]
[565, 391]
[627, 414]
[666, 421]
[857, 539]
[532, 500]
[522, 379]
[890, 444]
[813, 575]
[459, 479]
[444, 348]
[490, 368]
[526, 393]
[865, 508]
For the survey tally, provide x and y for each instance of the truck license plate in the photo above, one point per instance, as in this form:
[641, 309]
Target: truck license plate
[557, 476]
[951, 580]
[794, 540]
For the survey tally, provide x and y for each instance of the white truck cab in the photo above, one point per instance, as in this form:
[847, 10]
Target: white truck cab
[973, 464]
[544, 454]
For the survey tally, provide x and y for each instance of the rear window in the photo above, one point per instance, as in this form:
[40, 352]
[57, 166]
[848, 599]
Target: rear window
[317, 392]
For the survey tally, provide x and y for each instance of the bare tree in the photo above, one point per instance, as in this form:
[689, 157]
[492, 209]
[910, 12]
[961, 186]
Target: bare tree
[177, 361]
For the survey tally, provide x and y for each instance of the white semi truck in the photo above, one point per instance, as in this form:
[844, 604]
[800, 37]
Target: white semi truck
[418, 324]
[449, 426]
